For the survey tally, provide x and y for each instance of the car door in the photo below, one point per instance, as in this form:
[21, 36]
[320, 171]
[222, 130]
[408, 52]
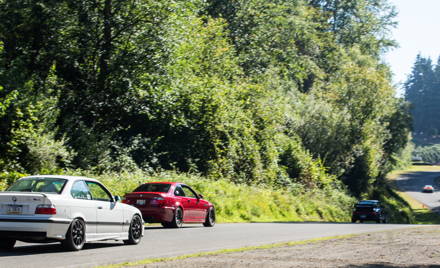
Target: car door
[192, 201]
[83, 205]
[108, 212]
[199, 206]
[185, 202]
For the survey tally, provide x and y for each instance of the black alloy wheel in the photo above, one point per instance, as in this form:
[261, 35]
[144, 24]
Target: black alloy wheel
[178, 219]
[135, 231]
[7, 243]
[210, 218]
[76, 235]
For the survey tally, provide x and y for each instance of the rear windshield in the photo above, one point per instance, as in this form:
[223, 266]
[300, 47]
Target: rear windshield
[153, 187]
[365, 208]
[41, 185]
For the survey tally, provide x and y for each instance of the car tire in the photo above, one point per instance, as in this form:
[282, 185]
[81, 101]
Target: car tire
[210, 218]
[7, 243]
[361, 221]
[134, 231]
[177, 219]
[75, 236]
[166, 224]
[353, 220]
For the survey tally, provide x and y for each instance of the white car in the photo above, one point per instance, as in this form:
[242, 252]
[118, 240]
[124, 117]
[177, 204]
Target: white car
[72, 210]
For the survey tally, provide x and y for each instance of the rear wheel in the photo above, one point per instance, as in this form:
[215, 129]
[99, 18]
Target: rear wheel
[135, 231]
[76, 235]
[7, 243]
[177, 219]
[353, 220]
[210, 218]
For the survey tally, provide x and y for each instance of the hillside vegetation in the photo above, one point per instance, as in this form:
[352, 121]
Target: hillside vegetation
[267, 97]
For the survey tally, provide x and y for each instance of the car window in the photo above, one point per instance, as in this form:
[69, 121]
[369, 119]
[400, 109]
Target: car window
[179, 191]
[40, 184]
[98, 192]
[189, 192]
[153, 187]
[80, 191]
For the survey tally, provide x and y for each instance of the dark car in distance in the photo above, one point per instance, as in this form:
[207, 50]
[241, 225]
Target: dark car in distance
[171, 204]
[369, 210]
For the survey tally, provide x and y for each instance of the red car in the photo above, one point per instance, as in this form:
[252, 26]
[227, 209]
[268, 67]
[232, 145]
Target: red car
[171, 204]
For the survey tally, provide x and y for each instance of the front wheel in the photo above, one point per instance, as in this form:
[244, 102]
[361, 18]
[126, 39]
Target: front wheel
[210, 218]
[7, 243]
[135, 231]
[76, 235]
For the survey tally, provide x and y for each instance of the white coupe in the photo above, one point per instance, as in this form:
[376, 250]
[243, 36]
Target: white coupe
[69, 209]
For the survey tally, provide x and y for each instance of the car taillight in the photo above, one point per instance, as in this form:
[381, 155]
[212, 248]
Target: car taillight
[45, 209]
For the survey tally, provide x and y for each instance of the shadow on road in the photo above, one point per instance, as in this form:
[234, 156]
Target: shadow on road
[34, 249]
[159, 227]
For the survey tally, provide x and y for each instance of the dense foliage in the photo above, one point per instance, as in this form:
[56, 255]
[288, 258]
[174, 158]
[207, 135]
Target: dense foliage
[428, 154]
[288, 93]
[422, 90]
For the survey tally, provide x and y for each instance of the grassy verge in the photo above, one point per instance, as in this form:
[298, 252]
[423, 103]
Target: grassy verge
[419, 212]
[249, 203]
[223, 251]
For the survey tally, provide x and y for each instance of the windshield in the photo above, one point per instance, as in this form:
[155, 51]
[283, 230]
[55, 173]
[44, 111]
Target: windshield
[42, 185]
[153, 187]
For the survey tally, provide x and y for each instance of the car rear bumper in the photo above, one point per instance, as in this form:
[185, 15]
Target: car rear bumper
[157, 214]
[30, 228]
[366, 217]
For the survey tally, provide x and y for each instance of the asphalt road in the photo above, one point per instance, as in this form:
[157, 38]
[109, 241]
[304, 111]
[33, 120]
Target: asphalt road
[160, 242]
[412, 184]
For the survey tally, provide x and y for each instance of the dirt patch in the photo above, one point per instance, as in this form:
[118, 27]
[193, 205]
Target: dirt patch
[416, 247]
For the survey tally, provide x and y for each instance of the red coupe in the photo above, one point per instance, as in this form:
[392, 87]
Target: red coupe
[171, 204]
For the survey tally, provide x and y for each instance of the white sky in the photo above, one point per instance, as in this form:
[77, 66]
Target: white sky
[418, 31]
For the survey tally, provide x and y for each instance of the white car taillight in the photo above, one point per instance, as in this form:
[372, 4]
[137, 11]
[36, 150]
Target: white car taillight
[45, 209]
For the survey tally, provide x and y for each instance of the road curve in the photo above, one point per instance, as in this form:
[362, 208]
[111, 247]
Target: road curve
[413, 182]
[160, 242]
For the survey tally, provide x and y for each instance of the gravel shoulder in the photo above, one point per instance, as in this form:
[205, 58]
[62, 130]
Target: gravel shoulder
[415, 247]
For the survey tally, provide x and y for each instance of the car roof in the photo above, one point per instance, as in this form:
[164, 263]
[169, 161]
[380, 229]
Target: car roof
[66, 177]
[163, 182]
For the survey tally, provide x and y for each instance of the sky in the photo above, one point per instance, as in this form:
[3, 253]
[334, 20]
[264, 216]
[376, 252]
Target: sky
[418, 31]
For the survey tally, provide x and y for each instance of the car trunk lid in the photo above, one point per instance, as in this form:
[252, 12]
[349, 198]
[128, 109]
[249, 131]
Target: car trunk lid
[21, 203]
[144, 199]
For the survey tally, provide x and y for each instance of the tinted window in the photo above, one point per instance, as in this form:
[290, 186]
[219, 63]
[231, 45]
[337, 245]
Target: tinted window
[42, 185]
[179, 191]
[153, 187]
[98, 192]
[80, 191]
[189, 192]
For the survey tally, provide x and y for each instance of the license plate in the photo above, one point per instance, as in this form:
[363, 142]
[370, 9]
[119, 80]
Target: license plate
[363, 216]
[140, 202]
[15, 209]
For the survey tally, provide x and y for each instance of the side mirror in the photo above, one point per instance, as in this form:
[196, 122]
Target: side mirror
[117, 198]
[200, 196]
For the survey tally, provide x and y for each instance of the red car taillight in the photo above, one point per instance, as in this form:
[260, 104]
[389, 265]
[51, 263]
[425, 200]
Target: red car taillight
[45, 209]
